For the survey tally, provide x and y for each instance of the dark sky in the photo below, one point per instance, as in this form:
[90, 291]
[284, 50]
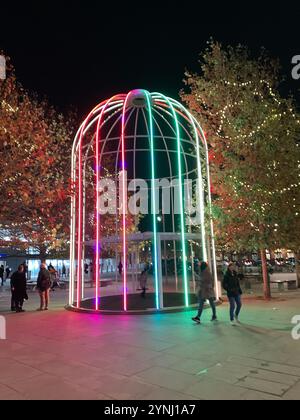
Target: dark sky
[80, 53]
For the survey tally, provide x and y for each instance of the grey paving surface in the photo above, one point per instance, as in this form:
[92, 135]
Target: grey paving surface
[63, 355]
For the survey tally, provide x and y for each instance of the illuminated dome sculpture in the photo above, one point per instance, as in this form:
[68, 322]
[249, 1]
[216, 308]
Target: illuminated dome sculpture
[150, 137]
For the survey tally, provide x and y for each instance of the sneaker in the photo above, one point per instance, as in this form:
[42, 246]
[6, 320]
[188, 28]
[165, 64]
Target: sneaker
[39, 309]
[237, 320]
[214, 319]
[197, 320]
[46, 309]
[233, 323]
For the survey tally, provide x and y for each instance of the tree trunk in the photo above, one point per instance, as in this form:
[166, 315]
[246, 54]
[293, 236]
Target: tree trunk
[265, 273]
[297, 261]
[43, 254]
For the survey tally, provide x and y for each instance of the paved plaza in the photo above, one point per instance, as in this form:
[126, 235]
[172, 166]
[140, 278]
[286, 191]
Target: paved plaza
[66, 355]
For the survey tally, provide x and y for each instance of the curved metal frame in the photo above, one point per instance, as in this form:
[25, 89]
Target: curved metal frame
[178, 120]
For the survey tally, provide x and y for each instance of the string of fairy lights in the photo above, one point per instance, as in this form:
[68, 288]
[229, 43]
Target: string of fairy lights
[251, 134]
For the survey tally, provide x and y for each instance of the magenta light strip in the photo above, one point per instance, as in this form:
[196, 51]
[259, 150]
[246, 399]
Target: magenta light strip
[80, 207]
[98, 227]
[124, 205]
[80, 223]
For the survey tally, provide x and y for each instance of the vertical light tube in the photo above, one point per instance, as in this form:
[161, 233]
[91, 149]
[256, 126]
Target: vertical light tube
[200, 181]
[72, 228]
[153, 199]
[124, 205]
[188, 117]
[98, 227]
[97, 267]
[181, 199]
[210, 212]
[76, 205]
[79, 222]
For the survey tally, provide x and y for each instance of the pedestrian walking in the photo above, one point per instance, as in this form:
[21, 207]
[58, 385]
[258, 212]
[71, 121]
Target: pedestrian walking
[205, 291]
[18, 289]
[64, 271]
[43, 286]
[7, 271]
[231, 284]
[2, 275]
[120, 268]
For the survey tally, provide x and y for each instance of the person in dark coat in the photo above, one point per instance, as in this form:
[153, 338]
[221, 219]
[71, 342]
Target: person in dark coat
[43, 286]
[2, 274]
[18, 289]
[120, 267]
[8, 271]
[231, 284]
[205, 291]
[143, 280]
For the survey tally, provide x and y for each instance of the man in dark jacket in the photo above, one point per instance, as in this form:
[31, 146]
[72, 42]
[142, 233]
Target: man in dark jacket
[18, 289]
[43, 286]
[232, 286]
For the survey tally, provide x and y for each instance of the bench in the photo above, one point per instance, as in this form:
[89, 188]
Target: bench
[31, 285]
[103, 283]
[283, 284]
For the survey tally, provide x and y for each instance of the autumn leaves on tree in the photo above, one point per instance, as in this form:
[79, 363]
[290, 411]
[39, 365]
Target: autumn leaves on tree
[35, 146]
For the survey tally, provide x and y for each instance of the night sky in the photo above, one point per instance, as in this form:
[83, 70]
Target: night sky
[80, 53]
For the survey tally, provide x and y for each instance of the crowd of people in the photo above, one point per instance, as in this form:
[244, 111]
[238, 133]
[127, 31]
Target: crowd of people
[47, 280]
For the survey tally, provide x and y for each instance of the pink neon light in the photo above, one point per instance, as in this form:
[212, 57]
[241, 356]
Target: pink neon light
[79, 256]
[80, 209]
[124, 205]
[97, 265]
[80, 199]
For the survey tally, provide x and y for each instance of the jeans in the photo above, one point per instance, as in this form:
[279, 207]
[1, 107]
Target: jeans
[212, 305]
[235, 306]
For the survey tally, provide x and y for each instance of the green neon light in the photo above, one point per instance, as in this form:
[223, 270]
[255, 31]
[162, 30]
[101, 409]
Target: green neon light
[153, 200]
[181, 199]
[200, 178]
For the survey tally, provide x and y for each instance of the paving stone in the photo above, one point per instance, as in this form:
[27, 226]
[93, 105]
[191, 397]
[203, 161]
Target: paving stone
[262, 364]
[273, 376]
[268, 387]
[168, 378]
[260, 396]
[211, 389]
[293, 393]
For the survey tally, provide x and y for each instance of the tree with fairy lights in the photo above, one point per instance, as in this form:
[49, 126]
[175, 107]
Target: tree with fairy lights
[35, 144]
[254, 134]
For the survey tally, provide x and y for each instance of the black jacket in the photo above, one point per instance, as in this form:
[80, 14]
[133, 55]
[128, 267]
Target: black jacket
[43, 281]
[18, 285]
[231, 284]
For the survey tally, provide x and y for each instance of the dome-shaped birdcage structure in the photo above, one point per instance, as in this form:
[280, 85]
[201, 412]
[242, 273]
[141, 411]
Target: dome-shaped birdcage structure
[140, 173]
